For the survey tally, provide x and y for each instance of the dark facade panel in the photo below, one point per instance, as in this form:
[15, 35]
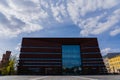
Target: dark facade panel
[90, 50]
[55, 56]
[40, 60]
[91, 56]
[40, 56]
[40, 50]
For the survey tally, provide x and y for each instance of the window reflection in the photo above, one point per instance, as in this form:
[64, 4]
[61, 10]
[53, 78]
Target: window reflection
[71, 59]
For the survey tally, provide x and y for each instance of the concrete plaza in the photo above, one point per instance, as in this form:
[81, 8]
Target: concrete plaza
[82, 77]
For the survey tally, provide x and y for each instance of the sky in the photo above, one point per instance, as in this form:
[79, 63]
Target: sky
[60, 18]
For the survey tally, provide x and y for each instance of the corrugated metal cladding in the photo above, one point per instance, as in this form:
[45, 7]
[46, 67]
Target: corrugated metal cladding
[44, 56]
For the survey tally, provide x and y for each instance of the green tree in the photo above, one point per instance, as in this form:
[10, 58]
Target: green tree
[4, 71]
[4, 68]
[9, 68]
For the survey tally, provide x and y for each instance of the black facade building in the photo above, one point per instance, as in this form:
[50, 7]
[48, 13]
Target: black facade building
[57, 56]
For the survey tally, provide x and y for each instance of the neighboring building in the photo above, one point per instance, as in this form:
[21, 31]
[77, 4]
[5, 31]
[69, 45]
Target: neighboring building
[106, 59]
[5, 58]
[113, 62]
[56, 56]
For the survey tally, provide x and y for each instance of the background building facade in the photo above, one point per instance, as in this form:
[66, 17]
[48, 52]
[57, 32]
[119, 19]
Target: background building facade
[60, 56]
[113, 62]
[106, 62]
[5, 59]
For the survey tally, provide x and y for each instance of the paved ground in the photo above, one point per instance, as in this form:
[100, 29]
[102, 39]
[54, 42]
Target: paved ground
[97, 77]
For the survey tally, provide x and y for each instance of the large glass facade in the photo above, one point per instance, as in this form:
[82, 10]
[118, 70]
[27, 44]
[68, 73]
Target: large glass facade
[71, 59]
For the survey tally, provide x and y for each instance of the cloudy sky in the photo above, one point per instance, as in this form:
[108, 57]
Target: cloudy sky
[60, 18]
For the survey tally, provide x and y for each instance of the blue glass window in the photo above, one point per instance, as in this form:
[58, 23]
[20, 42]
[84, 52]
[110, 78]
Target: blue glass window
[71, 56]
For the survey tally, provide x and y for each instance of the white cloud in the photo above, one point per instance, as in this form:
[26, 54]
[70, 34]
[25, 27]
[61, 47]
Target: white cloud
[18, 47]
[92, 25]
[105, 51]
[79, 8]
[115, 32]
[59, 10]
[56, 13]
[19, 17]
[1, 54]
[109, 50]
[102, 27]
[92, 16]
